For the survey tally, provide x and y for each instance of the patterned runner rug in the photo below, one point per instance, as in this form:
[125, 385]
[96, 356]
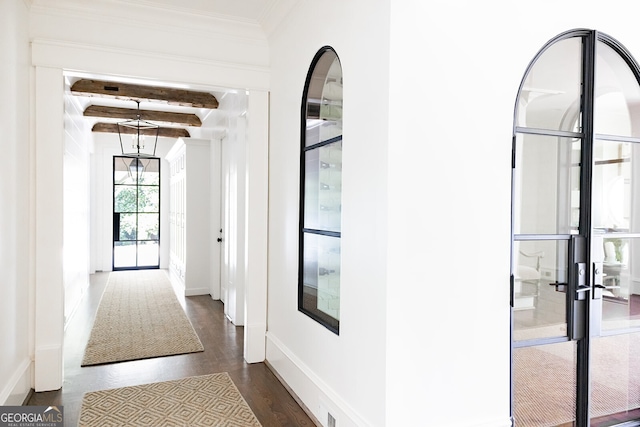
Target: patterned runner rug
[208, 400]
[139, 317]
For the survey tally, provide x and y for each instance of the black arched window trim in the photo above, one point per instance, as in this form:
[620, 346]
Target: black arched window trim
[333, 326]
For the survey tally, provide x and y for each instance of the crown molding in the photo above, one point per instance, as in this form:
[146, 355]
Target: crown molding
[147, 15]
[73, 56]
[151, 14]
[150, 4]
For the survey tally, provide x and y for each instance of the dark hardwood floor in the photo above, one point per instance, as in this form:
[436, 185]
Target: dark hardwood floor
[223, 344]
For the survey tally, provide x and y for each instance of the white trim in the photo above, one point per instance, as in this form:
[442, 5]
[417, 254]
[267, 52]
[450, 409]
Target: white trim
[49, 224]
[48, 369]
[150, 16]
[189, 12]
[255, 335]
[81, 57]
[314, 393]
[196, 291]
[17, 389]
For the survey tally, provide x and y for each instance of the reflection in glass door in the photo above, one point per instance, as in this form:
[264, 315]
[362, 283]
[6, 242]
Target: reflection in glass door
[575, 284]
[136, 212]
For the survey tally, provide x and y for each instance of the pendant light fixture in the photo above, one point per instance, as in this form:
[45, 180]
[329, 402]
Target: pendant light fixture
[139, 130]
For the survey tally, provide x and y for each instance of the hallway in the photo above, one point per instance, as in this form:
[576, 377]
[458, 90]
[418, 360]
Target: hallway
[223, 343]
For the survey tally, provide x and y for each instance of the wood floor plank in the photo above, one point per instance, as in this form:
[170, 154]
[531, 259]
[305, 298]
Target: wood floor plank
[223, 343]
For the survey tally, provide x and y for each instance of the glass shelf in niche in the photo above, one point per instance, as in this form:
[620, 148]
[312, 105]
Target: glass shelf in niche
[322, 271]
[319, 130]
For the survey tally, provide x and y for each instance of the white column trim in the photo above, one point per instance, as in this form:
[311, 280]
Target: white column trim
[49, 291]
[257, 214]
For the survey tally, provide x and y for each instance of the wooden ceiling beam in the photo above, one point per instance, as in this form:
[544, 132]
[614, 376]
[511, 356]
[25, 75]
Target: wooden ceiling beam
[179, 119]
[183, 97]
[164, 132]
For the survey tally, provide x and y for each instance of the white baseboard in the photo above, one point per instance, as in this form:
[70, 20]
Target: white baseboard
[176, 282]
[254, 343]
[48, 368]
[19, 385]
[312, 391]
[191, 292]
[313, 394]
[180, 287]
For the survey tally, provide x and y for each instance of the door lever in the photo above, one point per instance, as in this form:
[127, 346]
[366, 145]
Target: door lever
[560, 287]
[598, 280]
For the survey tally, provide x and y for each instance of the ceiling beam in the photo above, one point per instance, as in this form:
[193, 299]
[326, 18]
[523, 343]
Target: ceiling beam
[179, 119]
[165, 132]
[183, 97]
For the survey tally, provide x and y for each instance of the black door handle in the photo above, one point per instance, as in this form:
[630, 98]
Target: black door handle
[560, 287]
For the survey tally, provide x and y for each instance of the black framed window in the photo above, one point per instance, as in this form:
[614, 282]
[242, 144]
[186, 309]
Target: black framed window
[321, 191]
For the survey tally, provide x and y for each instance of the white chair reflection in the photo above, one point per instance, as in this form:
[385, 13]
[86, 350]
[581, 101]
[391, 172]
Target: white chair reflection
[527, 281]
[615, 262]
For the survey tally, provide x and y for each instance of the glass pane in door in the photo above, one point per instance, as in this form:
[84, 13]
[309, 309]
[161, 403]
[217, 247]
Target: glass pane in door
[124, 254]
[546, 185]
[621, 296]
[550, 99]
[617, 95]
[615, 379]
[540, 308]
[613, 198]
[148, 253]
[545, 385]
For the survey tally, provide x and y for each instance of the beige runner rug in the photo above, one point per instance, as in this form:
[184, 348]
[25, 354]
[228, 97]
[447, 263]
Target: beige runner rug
[208, 400]
[139, 317]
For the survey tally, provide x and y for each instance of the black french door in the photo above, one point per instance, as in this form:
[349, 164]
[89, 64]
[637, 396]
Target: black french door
[136, 213]
[575, 282]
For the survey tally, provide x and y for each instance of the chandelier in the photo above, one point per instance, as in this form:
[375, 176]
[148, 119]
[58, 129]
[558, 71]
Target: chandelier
[139, 130]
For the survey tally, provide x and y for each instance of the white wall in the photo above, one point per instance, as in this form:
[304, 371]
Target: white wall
[76, 250]
[15, 192]
[452, 92]
[345, 374]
